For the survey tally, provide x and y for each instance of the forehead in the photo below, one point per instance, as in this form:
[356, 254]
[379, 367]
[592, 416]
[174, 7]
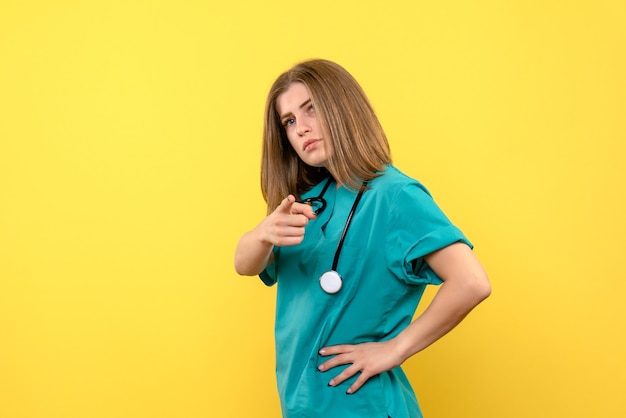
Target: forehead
[291, 99]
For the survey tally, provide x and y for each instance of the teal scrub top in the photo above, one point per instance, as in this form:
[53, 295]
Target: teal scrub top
[384, 276]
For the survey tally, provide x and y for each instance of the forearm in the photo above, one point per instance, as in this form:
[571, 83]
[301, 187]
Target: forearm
[284, 226]
[253, 254]
[454, 300]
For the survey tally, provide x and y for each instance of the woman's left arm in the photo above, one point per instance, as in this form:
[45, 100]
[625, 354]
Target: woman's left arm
[465, 285]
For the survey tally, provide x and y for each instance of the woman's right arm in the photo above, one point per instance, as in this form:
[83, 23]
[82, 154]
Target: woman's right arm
[283, 227]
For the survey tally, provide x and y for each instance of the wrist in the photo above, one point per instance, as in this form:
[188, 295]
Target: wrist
[261, 235]
[402, 348]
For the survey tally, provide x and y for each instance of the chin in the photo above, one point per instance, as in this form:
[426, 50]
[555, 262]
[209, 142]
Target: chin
[317, 164]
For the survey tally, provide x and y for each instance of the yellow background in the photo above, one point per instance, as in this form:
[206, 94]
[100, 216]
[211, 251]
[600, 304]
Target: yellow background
[129, 166]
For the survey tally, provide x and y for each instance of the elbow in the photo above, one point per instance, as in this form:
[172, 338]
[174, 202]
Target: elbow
[480, 288]
[241, 269]
[243, 272]
[240, 266]
[244, 268]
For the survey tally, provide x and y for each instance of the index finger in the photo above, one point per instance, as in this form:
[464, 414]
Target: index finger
[286, 204]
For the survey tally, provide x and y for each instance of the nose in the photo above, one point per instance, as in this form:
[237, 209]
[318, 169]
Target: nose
[302, 127]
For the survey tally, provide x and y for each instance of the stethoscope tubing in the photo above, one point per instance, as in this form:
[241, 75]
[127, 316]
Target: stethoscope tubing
[320, 199]
[347, 225]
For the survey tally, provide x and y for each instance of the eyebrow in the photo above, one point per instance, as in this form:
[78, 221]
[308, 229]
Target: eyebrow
[306, 102]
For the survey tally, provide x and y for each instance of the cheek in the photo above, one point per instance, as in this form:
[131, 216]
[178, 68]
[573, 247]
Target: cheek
[292, 141]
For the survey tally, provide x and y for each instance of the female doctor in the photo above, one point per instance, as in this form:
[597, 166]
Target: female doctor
[351, 243]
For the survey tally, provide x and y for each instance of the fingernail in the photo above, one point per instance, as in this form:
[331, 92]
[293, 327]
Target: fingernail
[322, 351]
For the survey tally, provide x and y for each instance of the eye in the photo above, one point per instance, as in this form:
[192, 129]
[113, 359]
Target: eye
[311, 108]
[288, 122]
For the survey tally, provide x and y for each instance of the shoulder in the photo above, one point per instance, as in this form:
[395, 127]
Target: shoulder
[392, 182]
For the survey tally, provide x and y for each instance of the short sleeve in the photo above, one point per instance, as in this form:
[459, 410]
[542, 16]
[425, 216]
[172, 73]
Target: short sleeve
[417, 228]
[269, 276]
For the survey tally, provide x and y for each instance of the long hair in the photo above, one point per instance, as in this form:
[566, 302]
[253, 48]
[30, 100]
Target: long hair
[359, 145]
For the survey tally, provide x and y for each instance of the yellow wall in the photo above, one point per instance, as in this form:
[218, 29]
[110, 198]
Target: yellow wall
[129, 160]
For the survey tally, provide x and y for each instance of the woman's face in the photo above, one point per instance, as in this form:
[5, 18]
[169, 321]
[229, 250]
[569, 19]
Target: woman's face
[297, 115]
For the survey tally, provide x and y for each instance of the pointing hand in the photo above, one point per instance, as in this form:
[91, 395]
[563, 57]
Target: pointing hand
[285, 226]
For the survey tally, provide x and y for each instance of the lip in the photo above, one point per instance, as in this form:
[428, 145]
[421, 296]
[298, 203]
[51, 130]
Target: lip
[309, 142]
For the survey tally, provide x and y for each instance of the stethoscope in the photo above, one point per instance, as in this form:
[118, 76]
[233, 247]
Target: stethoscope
[331, 281]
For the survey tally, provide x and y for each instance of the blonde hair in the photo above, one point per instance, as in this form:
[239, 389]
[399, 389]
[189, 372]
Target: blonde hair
[359, 144]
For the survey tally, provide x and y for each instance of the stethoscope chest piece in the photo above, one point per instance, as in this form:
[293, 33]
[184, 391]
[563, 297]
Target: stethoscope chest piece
[331, 282]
